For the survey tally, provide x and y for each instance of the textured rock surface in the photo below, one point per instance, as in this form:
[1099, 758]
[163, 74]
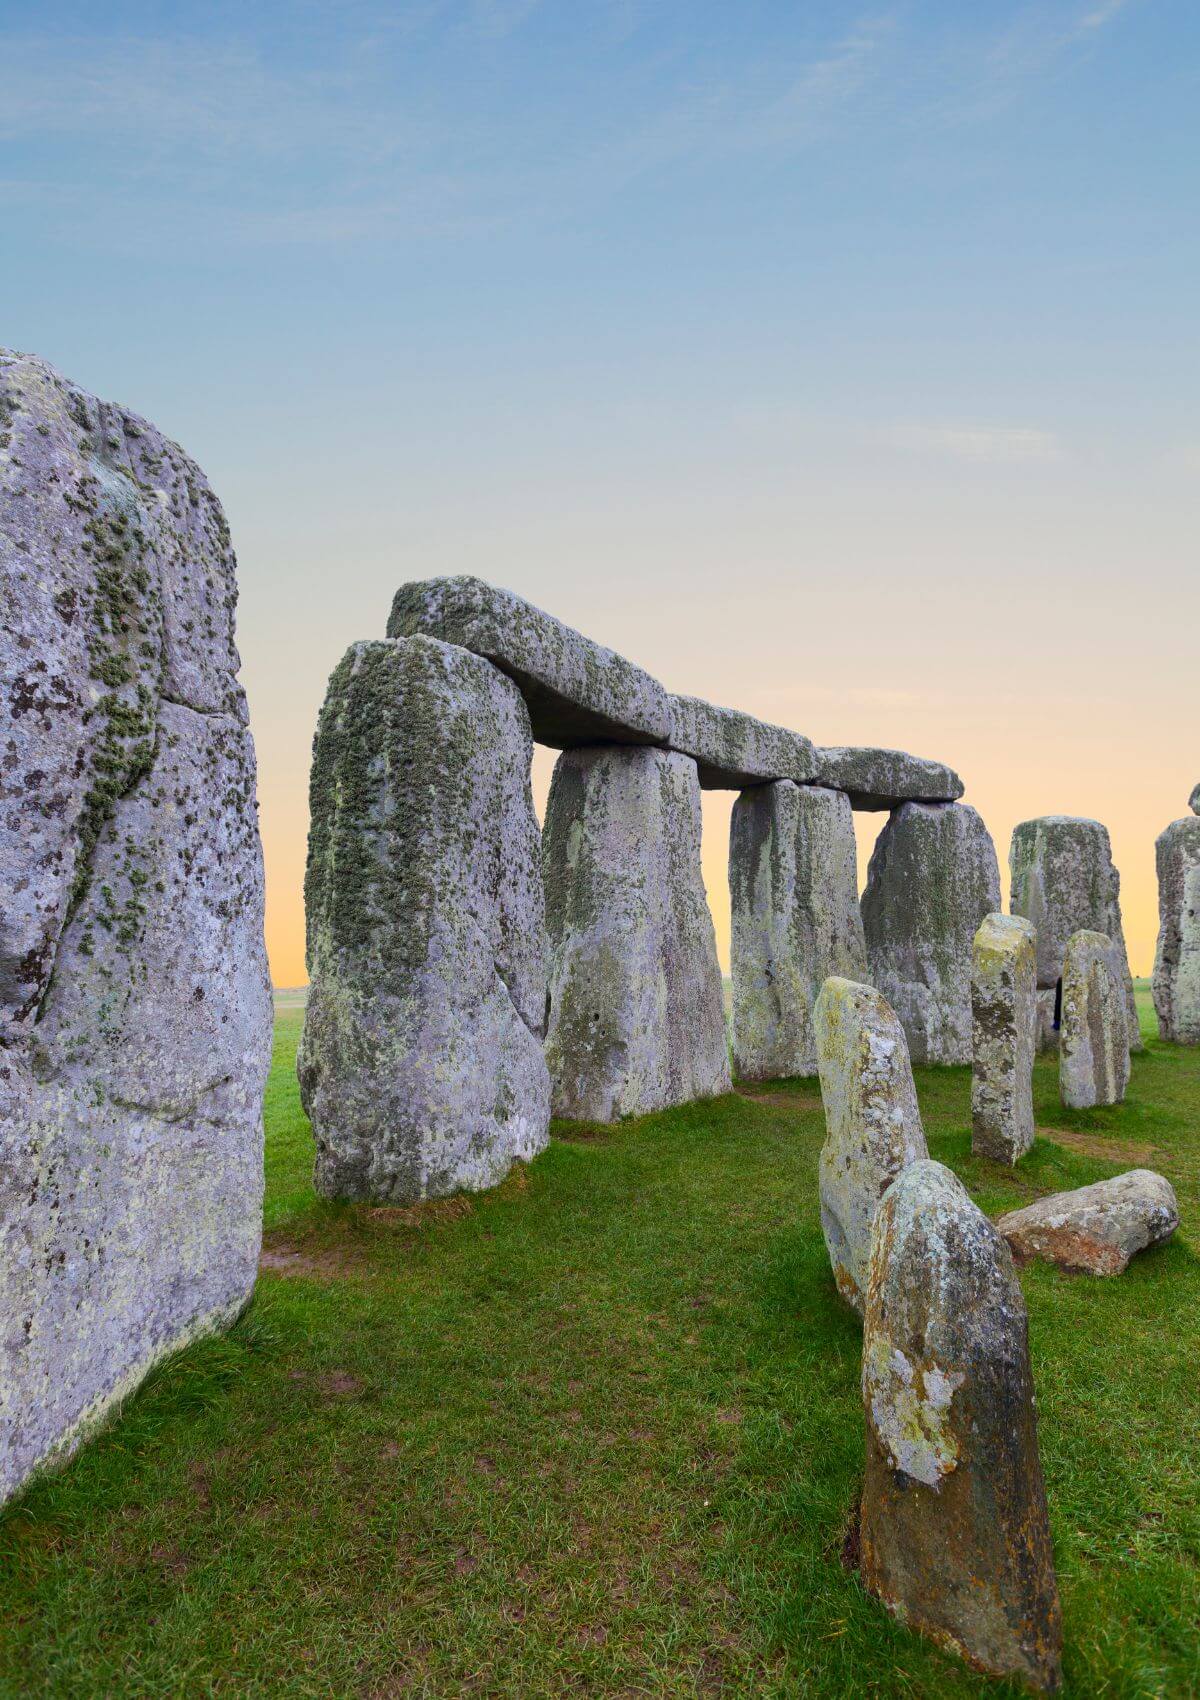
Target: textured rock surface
[1093, 1041]
[881, 779]
[1177, 956]
[1004, 1012]
[793, 887]
[135, 1009]
[1095, 1230]
[955, 1537]
[933, 877]
[732, 750]
[1194, 801]
[1063, 880]
[421, 1064]
[576, 691]
[873, 1125]
[636, 1021]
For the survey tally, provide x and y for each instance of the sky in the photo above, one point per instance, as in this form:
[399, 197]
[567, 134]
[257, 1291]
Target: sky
[837, 363]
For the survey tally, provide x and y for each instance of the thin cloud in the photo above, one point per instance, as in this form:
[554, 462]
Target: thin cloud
[985, 445]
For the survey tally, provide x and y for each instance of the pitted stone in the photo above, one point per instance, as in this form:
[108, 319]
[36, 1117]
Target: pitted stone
[1093, 1041]
[1096, 1230]
[1005, 1015]
[1194, 801]
[733, 750]
[1177, 956]
[882, 779]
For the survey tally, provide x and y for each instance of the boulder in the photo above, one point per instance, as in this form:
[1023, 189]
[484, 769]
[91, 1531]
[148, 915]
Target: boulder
[872, 1121]
[1095, 1230]
[421, 1065]
[135, 1005]
[1004, 1014]
[1093, 1040]
[883, 779]
[636, 1019]
[933, 877]
[1177, 956]
[732, 750]
[955, 1535]
[793, 887]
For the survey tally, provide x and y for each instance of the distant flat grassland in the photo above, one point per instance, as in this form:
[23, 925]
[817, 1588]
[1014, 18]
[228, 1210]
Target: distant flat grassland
[599, 1433]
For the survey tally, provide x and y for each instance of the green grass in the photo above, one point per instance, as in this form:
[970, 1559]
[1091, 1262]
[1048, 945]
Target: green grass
[599, 1433]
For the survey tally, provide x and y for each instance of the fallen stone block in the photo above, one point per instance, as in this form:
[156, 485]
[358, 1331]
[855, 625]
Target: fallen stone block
[1005, 1015]
[1176, 980]
[1093, 1040]
[883, 779]
[1095, 1230]
[733, 750]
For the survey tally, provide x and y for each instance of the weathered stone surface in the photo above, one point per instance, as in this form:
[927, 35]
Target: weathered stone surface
[1194, 801]
[1177, 956]
[872, 1121]
[882, 779]
[1064, 881]
[577, 692]
[135, 1009]
[732, 750]
[421, 1066]
[1093, 1041]
[933, 877]
[636, 1021]
[1047, 1016]
[955, 1536]
[1095, 1230]
[1004, 1013]
[793, 887]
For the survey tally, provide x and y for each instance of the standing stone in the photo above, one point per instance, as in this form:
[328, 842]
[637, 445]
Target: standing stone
[955, 1535]
[1095, 1230]
[1004, 1012]
[1064, 881]
[1093, 1050]
[872, 1120]
[793, 887]
[1194, 801]
[421, 1065]
[1177, 956]
[933, 877]
[135, 1007]
[636, 1020]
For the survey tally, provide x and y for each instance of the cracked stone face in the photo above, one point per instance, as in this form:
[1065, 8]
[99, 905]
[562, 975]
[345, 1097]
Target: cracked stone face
[135, 1011]
[1177, 956]
[1005, 1018]
[1093, 1041]
[421, 1065]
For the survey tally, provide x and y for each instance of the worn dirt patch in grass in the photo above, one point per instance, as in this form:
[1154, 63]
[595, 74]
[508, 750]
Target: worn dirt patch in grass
[781, 1100]
[1102, 1145]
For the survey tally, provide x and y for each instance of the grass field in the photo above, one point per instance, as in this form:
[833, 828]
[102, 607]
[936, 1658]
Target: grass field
[599, 1433]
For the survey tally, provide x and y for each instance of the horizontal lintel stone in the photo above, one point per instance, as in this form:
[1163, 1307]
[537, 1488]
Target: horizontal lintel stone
[881, 779]
[733, 750]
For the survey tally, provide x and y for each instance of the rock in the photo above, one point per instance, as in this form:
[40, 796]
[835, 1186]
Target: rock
[955, 1536]
[1093, 1040]
[1177, 957]
[932, 879]
[1194, 801]
[1095, 1230]
[1004, 1011]
[421, 1065]
[1064, 881]
[577, 692]
[135, 1007]
[793, 886]
[636, 1021]
[882, 779]
[872, 1121]
[733, 750]
[1048, 1001]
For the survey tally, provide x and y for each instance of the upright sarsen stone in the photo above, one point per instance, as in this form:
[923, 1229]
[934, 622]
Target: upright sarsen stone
[1093, 1048]
[421, 1064]
[1004, 1013]
[635, 1010]
[933, 877]
[1177, 956]
[793, 887]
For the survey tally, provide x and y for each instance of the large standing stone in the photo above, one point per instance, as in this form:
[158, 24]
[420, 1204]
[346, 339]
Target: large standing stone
[933, 877]
[421, 1065]
[883, 779]
[1004, 1013]
[636, 1021]
[135, 1008]
[1093, 1049]
[793, 887]
[1095, 1230]
[955, 1536]
[872, 1121]
[1064, 881]
[732, 750]
[1177, 957]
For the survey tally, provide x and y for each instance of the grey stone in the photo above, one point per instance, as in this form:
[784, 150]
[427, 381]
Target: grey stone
[872, 1121]
[421, 1065]
[1194, 801]
[882, 779]
[1095, 1230]
[636, 1021]
[1064, 881]
[1047, 1016]
[1004, 1012]
[732, 750]
[955, 1535]
[577, 692]
[1093, 1041]
[793, 887]
[933, 877]
[135, 1007]
[1177, 956]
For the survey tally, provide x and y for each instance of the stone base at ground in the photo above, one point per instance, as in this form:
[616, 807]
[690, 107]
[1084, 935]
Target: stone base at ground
[1004, 1010]
[1095, 1230]
[1093, 1040]
[1177, 956]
